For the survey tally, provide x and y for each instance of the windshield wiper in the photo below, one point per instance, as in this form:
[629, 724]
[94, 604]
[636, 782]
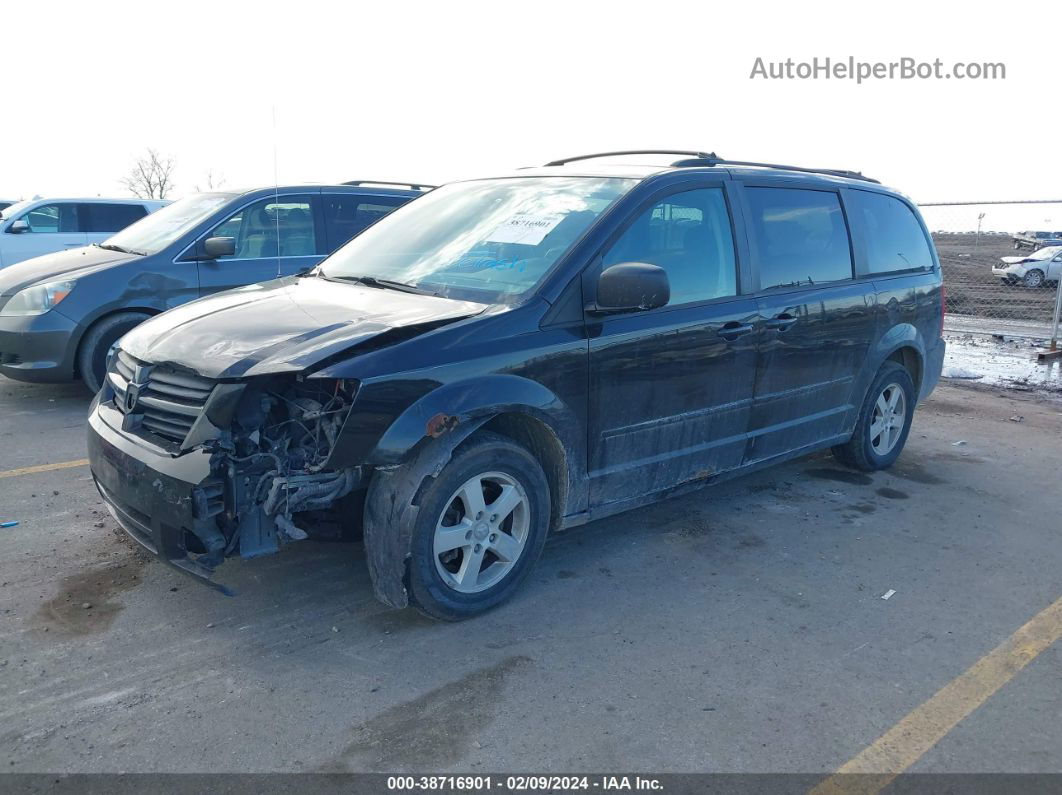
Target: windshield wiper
[386, 284]
[112, 247]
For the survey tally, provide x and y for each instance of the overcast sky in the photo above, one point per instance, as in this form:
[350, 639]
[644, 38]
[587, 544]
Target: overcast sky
[447, 90]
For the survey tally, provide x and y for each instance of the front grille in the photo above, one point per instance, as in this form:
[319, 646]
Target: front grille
[168, 401]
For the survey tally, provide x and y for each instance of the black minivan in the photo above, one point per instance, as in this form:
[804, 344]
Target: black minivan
[61, 313]
[509, 356]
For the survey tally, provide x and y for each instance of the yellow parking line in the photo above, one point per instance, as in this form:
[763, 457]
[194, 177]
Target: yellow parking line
[923, 727]
[10, 473]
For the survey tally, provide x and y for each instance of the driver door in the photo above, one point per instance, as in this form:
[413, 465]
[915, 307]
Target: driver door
[671, 388]
[276, 236]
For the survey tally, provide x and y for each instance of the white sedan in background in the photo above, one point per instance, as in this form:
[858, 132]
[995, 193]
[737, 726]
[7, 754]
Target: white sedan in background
[1035, 270]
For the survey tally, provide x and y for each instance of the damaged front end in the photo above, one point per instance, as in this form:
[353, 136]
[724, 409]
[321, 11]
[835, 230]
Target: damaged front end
[241, 467]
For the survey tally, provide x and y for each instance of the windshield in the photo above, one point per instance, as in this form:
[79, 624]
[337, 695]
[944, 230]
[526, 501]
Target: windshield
[489, 241]
[1046, 253]
[157, 230]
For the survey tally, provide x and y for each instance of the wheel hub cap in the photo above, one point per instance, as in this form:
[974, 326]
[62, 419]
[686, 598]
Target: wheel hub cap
[482, 531]
[888, 420]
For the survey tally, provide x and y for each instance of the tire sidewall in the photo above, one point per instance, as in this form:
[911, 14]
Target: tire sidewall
[427, 588]
[896, 374]
[1039, 281]
[98, 343]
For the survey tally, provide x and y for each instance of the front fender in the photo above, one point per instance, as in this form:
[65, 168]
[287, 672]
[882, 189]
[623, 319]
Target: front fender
[453, 405]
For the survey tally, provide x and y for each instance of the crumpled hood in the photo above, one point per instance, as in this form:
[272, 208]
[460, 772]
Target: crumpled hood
[281, 326]
[71, 263]
[1014, 260]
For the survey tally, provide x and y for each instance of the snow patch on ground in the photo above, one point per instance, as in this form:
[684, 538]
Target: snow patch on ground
[1007, 362]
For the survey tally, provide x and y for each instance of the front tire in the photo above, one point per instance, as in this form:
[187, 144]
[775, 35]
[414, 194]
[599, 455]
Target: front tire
[97, 343]
[481, 526]
[884, 421]
[1034, 278]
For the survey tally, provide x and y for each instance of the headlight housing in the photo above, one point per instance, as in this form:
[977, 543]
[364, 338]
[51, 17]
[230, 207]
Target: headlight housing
[38, 299]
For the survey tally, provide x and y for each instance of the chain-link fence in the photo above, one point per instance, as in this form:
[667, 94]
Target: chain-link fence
[1015, 298]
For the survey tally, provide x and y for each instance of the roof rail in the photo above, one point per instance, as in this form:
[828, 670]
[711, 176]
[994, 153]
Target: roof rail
[632, 152]
[413, 185]
[712, 160]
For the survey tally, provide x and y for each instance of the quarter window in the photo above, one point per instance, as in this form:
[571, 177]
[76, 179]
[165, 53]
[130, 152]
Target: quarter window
[97, 217]
[895, 240]
[273, 227]
[688, 235]
[52, 218]
[347, 215]
[800, 236]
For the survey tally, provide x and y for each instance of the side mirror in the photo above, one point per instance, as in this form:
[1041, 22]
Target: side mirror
[215, 247]
[18, 227]
[631, 286]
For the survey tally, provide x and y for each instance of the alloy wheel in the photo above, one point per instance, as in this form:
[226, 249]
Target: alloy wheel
[890, 415]
[482, 532]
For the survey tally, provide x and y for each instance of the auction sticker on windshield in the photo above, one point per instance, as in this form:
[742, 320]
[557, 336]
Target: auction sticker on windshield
[525, 229]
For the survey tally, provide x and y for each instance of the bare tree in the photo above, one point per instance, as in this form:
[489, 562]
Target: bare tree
[211, 182]
[151, 176]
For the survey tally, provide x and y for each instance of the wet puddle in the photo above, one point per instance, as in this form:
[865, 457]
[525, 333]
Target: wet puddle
[1007, 363]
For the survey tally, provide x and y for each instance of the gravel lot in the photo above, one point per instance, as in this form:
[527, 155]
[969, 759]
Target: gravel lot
[741, 629]
[972, 289]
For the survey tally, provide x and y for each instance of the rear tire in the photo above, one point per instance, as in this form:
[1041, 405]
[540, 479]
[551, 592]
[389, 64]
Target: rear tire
[97, 343]
[468, 559]
[879, 437]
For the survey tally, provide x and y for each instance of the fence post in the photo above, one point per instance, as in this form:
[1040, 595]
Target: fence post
[1058, 308]
[1053, 352]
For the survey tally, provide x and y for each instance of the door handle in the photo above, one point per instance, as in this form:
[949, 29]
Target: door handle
[781, 322]
[733, 330]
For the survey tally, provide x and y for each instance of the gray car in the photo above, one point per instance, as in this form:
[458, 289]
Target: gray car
[60, 314]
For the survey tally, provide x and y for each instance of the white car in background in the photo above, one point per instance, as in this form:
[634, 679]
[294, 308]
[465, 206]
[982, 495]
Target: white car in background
[1035, 270]
[42, 226]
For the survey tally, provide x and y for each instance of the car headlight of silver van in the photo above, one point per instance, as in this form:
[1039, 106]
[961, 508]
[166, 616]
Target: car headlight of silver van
[38, 299]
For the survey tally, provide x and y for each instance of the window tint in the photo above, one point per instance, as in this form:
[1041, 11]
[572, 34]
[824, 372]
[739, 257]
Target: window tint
[97, 217]
[52, 218]
[800, 236]
[346, 215]
[280, 227]
[688, 235]
[895, 241]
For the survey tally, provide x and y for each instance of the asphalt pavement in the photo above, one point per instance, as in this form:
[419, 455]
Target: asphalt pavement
[741, 629]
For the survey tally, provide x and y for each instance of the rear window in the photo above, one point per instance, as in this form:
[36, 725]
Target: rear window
[895, 241]
[346, 215]
[97, 217]
[800, 236]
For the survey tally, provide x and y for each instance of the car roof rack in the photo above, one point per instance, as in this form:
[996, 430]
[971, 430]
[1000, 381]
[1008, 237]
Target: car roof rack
[712, 160]
[413, 185]
[702, 159]
[567, 160]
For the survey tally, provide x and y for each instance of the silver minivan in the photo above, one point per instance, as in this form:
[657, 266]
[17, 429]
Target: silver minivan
[42, 226]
